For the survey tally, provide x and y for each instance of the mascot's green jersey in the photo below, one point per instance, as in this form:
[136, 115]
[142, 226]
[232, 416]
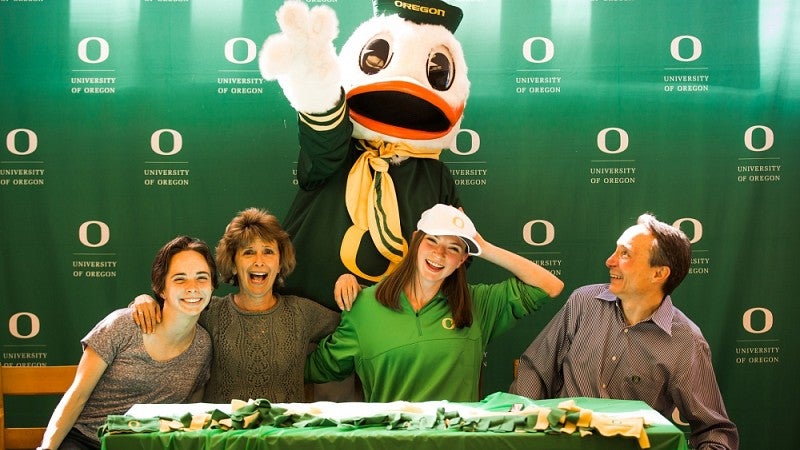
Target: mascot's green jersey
[318, 217]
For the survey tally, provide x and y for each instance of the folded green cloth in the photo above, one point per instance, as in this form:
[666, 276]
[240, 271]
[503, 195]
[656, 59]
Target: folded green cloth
[130, 424]
[499, 413]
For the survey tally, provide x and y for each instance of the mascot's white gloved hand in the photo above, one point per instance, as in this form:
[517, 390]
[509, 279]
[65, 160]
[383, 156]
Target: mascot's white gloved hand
[302, 57]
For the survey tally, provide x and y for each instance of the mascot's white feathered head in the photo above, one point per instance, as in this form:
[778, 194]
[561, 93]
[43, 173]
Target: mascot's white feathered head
[402, 71]
[404, 74]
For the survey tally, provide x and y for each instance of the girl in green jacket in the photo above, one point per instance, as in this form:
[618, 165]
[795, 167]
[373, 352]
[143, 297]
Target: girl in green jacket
[420, 334]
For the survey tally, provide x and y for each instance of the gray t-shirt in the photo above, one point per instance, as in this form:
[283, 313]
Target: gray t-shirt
[262, 354]
[132, 376]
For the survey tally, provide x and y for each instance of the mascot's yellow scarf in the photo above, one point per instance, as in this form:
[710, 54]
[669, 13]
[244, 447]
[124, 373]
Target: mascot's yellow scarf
[372, 204]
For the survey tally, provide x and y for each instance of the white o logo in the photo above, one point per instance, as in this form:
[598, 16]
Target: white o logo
[448, 323]
[33, 141]
[474, 141]
[697, 48]
[155, 142]
[13, 327]
[83, 233]
[769, 138]
[549, 50]
[602, 140]
[549, 233]
[696, 225]
[252, 50]
[747, 320]
[83, 53]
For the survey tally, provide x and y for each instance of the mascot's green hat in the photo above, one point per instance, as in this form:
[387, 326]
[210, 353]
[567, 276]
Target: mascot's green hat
[434, 12]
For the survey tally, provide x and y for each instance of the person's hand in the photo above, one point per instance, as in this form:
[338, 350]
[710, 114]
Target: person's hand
[146, 313]
[345, 291]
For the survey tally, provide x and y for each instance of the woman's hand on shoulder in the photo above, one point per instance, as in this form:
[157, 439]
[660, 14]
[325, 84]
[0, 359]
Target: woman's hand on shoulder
[345, 291]
[146, 313]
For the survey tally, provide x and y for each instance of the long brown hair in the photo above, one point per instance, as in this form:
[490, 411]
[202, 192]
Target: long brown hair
[454, 287]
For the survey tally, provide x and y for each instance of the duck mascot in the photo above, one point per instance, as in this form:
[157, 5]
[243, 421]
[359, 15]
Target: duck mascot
[372, 122]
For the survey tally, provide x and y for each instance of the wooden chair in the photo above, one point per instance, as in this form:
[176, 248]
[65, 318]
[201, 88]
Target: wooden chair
[27, 380]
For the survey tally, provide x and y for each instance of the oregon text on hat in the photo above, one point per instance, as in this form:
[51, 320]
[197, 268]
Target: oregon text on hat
[434, 12]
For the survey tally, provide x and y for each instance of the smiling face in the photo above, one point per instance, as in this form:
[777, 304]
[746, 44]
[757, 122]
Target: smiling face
[439, 256]
[631, 274]
[188, 283]
[257, 267]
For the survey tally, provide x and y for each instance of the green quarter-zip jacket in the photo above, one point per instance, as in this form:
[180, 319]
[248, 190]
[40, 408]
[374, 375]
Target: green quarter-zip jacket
[419, 356]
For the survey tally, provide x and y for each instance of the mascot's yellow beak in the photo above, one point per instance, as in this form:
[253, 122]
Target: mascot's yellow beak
[403, 110]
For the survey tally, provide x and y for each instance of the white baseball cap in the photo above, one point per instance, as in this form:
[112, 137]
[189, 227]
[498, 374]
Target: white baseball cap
[445, 220]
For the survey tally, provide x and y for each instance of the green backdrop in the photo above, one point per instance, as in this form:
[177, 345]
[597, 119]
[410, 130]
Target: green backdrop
[125, 122]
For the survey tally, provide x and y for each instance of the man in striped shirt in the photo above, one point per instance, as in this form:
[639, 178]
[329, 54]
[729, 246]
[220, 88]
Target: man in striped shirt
[626, 340]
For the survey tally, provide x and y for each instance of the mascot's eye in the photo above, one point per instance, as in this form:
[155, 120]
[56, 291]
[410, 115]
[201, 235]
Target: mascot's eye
[375, 56]
[440, 69]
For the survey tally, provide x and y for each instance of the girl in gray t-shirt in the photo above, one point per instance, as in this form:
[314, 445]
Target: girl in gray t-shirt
[122, 366]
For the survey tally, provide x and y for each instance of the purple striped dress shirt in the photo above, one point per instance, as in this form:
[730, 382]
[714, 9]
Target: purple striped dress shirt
[588, 350]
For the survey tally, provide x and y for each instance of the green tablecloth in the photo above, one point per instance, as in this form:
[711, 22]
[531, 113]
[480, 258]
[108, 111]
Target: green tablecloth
[662, 436]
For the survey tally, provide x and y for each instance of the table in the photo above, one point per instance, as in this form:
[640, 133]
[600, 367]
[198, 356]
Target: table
[662, 435]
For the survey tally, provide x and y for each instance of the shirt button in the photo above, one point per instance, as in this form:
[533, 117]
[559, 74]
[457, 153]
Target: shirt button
[604, 385]
[625, 330]
[613, 358]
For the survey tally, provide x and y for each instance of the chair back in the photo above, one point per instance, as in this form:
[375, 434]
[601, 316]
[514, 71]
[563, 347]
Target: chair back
[30, 380]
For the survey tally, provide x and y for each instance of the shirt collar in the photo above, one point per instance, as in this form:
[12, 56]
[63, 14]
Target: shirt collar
[439, 297]
[662, 317]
